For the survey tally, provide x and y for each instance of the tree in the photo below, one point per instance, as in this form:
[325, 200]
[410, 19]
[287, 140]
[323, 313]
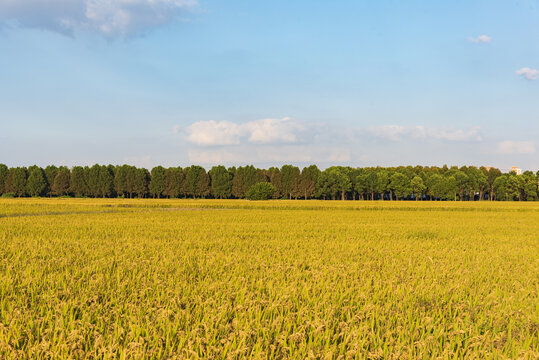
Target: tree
[435, 186]
[274, 176]
[323, 186]
[341, 182]
[78, 181]
[515, 186]
[50, 175]
[197, 181]
[499, 188]
[93, 181]
[60, 185]
[174, 181]
[333, 181]
[381, 182]
[120, 180]
[105, 181]
[16, 181]
[132, 179]
[530, 186]
[461, 181]
[417, 187]
[203, 184]
[370, 181]
[492, 174]
[400, 185]
[140, 182]
[3, 177]
[244, 178]
[477, 182]
[157, 183]
[36, 183]
[261, 191]
[290, 176]
[358, 179]
[221, 182]
[307, 182]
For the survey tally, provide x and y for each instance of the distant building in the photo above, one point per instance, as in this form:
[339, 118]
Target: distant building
[516, 170]
[489, 168]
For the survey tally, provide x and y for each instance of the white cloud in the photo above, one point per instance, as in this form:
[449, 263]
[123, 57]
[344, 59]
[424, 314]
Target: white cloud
[481, 39]
[528, 73]
[265, 131]
[516, 147]
[398, 132]
[111, 18]
[210, 133]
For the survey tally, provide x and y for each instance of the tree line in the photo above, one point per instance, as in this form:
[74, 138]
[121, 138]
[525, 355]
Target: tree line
[467, 183]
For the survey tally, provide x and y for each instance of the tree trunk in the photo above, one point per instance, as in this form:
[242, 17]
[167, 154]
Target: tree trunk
[342, 194]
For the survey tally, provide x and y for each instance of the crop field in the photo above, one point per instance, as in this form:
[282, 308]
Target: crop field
[188, 279]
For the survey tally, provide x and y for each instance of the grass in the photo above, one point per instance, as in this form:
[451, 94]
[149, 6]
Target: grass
[85, 278]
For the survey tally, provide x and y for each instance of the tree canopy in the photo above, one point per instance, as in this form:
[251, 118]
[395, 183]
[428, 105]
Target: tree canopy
[466, 183]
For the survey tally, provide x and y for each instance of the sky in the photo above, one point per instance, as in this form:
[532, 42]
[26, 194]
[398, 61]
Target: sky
[206, 82]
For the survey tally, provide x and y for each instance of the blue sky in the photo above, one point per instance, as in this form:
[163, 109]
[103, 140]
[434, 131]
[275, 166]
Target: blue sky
[180, 82]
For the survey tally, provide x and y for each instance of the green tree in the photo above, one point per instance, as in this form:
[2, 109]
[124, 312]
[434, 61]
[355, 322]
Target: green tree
[371, 180]
[105, 181]
[174, 182]
[477, 182]
[141, 182]
[244, 178]
[4, 171]
[307, 182]
[462, 182]
[417, 187]
[400, 184]
[196, 181]
[290, 177]
[323, 186]
[530, 186]
[61, 184]
[157, 182]
[221, 182]
[515, 187]
[500, 188]
[78, 181]
[93, 180]
[261, 191]
[359, 184]
[50, 175]
[36, 183]
[341, 182]
[16, 181]
[381, 182]
[274, 176]
[203, 184]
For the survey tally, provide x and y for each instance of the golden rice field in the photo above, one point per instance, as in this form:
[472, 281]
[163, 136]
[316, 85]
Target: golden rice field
[188, 279]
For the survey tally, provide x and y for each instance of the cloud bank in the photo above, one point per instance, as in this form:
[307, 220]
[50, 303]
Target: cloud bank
[111, 18]
[481, 39]
[528, 73]
[398, 132]
[516, 148]
[265, 131]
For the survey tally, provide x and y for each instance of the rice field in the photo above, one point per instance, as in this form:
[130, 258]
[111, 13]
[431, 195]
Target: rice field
[232, 279]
